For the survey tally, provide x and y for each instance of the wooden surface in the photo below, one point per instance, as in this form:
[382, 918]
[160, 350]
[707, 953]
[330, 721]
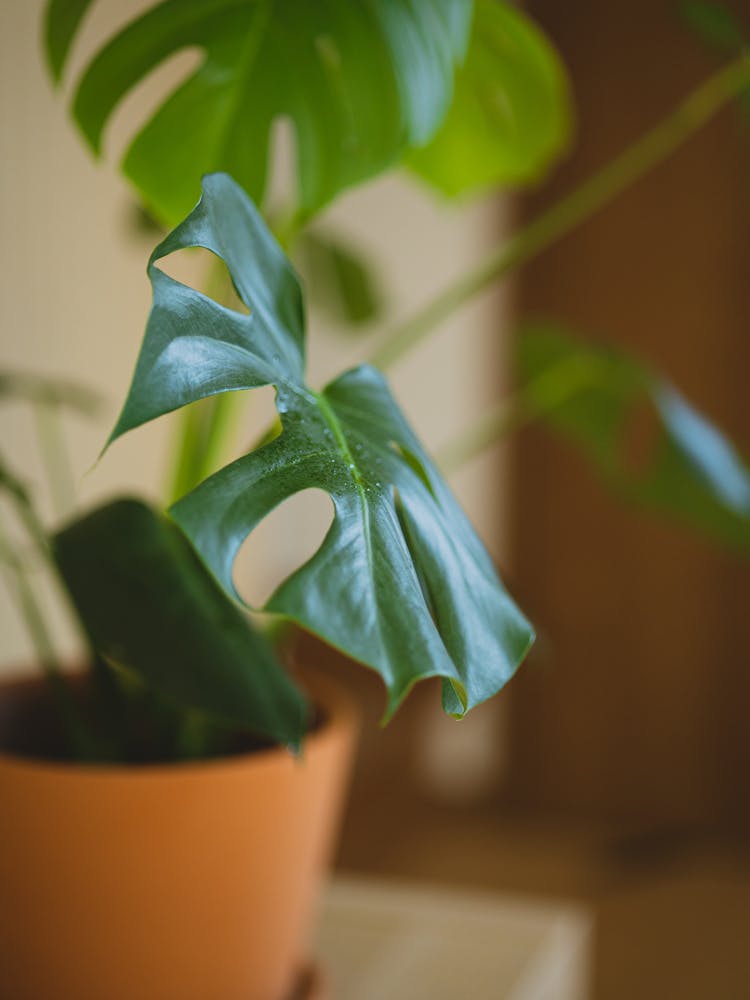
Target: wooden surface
[671, 914]
[637, 701]
[380, 939]
[671, 906]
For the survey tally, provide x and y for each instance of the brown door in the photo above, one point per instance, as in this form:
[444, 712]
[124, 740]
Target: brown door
[637, 701]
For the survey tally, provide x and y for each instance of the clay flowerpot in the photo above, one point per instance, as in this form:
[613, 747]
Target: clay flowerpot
[168, 882]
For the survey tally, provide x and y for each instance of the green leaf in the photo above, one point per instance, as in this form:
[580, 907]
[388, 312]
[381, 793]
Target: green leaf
[721, 31]
[62, 21]
[510, 116]
[715, 25]
[359, 81]
[691, 470]
[342, 282]
[401, 582]
[149, 605]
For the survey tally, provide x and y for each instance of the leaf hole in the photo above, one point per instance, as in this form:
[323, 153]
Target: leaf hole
[205, 272]
[286, 539]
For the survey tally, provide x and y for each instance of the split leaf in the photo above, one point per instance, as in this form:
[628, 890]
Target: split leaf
[359, 81]
[362, 82]
[401, 581]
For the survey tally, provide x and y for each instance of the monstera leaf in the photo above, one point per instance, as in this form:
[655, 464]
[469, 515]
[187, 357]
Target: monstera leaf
[690, 471]
[510, 116]
[149, 605]
[401, 582]
[361, 81]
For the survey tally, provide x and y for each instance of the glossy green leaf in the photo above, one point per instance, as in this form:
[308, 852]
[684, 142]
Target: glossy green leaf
[149, 605]
[401, 581]
[510, 117]
[341, 280]
[690, 471]
[360, 80]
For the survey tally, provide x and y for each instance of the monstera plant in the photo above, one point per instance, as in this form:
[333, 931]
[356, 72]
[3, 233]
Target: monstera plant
[470, 96]
[401, 582]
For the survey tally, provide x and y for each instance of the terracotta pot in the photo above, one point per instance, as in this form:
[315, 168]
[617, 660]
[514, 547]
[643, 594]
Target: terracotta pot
[168, 882]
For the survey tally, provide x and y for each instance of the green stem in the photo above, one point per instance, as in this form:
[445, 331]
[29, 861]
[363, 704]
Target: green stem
[32, 524]
[28, 606]
[76, 733]
[55, 457]
[541, 396]
[203, 429]
[203, 426]
[28, 516]
[566, 215]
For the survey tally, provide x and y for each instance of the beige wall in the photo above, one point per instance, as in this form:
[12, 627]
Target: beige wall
[75, 297]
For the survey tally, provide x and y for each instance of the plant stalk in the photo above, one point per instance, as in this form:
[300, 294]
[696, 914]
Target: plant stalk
[541, 396]
[55, 457]
[204, 425]
[566, 215]
[32, 524]
[28, 606]
[79, 739]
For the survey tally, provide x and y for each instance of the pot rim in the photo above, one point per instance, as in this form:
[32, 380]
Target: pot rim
[341, 718]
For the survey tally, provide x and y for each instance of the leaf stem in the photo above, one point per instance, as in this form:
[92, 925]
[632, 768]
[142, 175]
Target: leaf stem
[34, 528]
[204, 425]
[565, 215]
[25, 509]
[79, 739]
[55, 456]
[28, 606]
[542, 395]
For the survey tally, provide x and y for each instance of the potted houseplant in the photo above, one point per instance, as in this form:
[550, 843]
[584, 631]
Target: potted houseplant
[133, 874]
[195, 904]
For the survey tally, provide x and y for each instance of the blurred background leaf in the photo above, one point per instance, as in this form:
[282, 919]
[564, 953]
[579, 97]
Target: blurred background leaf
[339, 279]
[722, 31]
[510, 117]
[220, 117]
[646, 441]
[715, 24]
